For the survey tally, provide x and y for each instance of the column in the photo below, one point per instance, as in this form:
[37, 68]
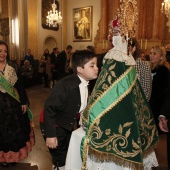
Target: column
[104, 23]
[156, 20]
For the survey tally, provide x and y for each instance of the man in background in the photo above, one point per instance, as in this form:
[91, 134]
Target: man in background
[61, 62]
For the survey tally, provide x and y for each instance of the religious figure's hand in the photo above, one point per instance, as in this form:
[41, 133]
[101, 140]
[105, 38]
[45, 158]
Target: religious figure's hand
[163, 124]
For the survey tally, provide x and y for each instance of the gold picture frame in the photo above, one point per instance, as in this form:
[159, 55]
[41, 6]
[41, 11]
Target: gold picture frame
[82, 24]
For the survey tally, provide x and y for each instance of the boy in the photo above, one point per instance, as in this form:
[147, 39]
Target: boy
[67, 99]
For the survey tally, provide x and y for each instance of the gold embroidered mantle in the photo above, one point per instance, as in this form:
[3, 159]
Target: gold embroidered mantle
[119, 124]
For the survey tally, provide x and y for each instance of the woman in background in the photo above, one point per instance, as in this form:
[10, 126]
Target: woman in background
[142, 67]
[160, 80]
[16, 133]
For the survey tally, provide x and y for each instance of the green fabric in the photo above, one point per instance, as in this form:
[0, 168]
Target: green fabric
[119, 123]
[8, 88]
[29, 112]
[12, 92]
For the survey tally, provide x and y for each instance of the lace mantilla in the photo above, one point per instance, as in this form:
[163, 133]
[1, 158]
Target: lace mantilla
[10, 75]
[119, 51]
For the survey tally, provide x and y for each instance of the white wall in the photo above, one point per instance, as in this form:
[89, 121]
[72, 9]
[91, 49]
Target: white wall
[96, 12]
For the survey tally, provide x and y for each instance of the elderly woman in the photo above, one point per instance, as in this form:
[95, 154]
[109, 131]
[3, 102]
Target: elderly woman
[27, 73]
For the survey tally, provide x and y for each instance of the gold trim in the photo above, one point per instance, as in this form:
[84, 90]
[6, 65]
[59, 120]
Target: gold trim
[128, 16]
[118, 100]
[114, 158]
[105, 111]
[101, 95]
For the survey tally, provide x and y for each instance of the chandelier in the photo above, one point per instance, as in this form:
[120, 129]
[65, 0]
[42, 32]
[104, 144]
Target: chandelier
[165, 7]
[54, 17]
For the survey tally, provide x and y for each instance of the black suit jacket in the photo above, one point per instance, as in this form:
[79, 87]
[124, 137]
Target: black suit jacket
[62, 105]
[60, 65]
[159, 87]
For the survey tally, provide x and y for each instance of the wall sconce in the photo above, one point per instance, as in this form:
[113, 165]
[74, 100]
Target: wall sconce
[15, 32]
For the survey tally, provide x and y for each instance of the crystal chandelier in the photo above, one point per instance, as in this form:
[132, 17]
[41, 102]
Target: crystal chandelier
[54, 17]
[165, 7]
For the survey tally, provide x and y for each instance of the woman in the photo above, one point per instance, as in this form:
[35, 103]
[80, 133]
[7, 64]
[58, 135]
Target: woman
[16, 133]
[160, 80]
[143, 69]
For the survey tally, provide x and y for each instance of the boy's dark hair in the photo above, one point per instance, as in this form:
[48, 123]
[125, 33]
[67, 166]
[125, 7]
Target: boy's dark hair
[80, 58]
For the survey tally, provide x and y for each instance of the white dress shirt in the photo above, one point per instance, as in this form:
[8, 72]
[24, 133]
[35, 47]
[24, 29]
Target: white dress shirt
[83, 93]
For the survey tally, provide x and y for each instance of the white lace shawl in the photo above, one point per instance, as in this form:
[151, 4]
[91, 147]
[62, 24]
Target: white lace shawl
[119, 51]
[10, 75]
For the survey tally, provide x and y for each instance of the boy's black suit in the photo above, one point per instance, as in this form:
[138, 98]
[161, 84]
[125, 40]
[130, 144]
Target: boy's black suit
[60, 114]
[62, 105]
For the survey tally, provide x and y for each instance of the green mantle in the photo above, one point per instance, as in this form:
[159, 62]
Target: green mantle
[119, 124]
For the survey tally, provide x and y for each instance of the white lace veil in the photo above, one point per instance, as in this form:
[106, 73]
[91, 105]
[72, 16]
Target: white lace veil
[119, 51]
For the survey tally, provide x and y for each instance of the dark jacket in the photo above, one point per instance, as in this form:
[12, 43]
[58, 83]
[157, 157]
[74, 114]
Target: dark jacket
[30, 58]
[165, 108]
[159, 87]
[60, 65]
[62, 105]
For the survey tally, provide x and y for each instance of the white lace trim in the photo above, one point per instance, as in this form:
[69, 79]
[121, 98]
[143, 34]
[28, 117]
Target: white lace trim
[150, 161]
[119, 51]
[10, 75]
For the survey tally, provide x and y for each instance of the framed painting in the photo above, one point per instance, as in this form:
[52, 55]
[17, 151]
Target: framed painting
[47, 6]
[82, 24]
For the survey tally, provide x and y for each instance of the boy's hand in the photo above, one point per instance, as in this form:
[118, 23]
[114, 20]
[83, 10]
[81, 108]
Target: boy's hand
[52, 142]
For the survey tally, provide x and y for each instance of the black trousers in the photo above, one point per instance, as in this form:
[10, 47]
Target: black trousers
[59, 154]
